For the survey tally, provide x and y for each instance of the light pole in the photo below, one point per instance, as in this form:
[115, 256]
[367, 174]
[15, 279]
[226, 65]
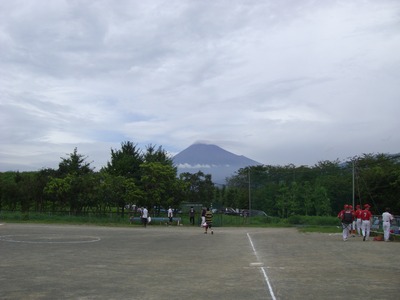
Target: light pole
[249, 196]
[353, 185]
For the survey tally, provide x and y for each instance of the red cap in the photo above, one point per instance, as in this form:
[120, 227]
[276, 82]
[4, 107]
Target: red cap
[346, 206]
[350, 206]
[367, 206]
[357, 206]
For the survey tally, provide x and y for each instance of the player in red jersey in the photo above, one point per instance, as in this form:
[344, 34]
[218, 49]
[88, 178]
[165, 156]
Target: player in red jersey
[340, 214]
[366, 217]
[358, 219]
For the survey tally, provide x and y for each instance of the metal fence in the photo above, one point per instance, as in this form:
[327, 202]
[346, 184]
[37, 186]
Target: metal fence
[377, 224]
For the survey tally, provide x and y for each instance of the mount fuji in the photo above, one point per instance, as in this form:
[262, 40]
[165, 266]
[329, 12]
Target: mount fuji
[211, 159]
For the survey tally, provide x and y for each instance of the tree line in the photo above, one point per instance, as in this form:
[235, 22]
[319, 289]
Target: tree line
[131, 177]
[319, 190]
[149, 178]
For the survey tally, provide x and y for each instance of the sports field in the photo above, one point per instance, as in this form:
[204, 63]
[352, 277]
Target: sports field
[91, 262]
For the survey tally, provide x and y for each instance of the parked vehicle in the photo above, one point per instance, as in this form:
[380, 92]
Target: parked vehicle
[243, 212]
[253, 213]
[231, 211]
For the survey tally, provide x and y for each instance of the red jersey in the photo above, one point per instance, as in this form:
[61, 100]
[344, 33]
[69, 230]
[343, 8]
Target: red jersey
[366, 215]
[358, 213]
[340, 215]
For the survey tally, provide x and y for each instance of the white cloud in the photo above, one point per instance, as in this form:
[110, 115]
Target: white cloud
[197, 166]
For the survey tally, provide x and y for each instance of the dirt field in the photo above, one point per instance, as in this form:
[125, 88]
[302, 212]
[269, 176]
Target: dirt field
[89, 262]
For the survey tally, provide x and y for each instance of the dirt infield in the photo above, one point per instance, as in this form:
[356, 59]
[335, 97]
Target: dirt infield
[90, 262]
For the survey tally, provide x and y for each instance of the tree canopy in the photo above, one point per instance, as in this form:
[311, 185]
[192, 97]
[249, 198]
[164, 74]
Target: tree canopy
[149, 178]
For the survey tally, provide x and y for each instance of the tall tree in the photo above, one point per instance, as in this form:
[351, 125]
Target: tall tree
[154, 154]
[9, 191]
[159, 184]
[126, 161]
[199, 187]
[74, 172]
[74, 164]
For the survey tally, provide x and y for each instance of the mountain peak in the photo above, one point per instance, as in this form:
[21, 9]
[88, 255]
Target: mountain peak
[211, 159]
[211, 155]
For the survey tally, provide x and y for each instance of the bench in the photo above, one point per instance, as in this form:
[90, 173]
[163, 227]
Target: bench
[156, 220]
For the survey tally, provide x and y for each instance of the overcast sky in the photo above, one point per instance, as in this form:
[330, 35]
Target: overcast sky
[277, 81]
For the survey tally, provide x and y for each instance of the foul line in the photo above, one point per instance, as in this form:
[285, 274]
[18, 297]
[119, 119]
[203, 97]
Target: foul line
[271, 292]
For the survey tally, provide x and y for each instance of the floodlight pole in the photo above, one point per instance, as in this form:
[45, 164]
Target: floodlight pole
[353, 185]
[249, 196]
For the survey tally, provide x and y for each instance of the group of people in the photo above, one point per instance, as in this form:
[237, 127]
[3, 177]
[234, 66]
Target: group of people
[206, 218]
[360, 220]
[145, 217]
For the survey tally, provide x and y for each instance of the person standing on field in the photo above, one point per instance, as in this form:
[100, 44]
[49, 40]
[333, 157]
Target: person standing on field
[340, 214]
[353, 223]
[170, 215]
[144, 216]
[191, 215]
[387, 219]
[347, 218]
[358, 219]
[203, 216]
[209, 217]
[366, 217]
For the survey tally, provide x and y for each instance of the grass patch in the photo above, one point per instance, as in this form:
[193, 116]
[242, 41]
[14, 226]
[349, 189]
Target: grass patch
[303, 223]
[321, 229]
[57, 218]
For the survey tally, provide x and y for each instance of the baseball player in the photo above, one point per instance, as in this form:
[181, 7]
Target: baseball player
[387, 218]
[340, 214]
[358, 219]
[366, 217]
[353, 224]
[346, 216]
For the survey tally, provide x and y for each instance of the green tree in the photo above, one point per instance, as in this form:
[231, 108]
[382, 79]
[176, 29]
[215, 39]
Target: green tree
[59, 190]
[157, 155]
[336, 179]
[126, 161]
[42, 178]
[159, 183]
[111, 191]
[282, 201]
[308, 190]
[74, 164]
[26, 187]
[321, 201]
[199, 187]
[377, 180]
[76, 173]
[9, 191]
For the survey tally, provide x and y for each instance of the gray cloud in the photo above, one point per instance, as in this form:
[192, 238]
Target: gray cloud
[277, 81]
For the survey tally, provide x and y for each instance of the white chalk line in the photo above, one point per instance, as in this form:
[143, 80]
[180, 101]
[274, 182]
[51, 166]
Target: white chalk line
[48, 239]
[271, 292]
